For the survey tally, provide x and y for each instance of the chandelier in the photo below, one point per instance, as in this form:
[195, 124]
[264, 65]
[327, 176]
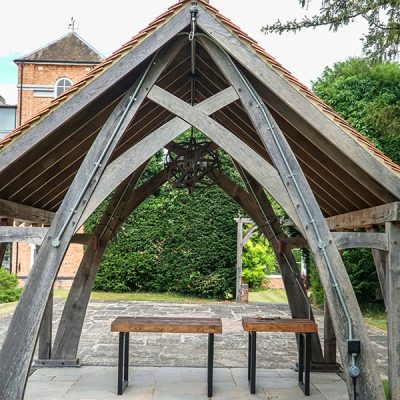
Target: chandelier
[188, 169]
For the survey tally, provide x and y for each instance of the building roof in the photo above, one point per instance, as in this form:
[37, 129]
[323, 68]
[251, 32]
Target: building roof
[70, 48]
[342, 176]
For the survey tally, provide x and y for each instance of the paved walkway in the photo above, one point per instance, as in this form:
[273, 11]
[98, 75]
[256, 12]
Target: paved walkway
[99, 346]
[178, 383]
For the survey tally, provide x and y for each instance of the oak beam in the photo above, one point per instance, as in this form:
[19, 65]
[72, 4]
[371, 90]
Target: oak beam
[346, 240]
[268, 224]
[343, 305]
[393, 308]
[378, 215]
[262, 171]
[123, 166]
[380, 258]
[10, 209]
[123, 203]
[35, 235]
[18, 346]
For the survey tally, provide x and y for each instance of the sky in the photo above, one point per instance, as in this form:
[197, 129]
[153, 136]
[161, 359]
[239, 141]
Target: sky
[27, 25]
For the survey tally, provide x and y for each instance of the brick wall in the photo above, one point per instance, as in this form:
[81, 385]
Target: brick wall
[43, 74]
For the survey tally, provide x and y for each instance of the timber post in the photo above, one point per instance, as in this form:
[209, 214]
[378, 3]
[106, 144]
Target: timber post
[393, 310]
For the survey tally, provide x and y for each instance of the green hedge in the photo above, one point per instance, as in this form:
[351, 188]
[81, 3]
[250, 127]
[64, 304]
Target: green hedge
[175, 242]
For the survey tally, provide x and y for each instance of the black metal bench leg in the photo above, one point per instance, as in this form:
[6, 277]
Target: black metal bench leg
[253, 362]
[249, 359]
[210, 364]
[123, 362]
[304, 362]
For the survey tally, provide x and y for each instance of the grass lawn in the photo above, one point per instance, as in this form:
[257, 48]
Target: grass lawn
[135, 296]
[268, 296]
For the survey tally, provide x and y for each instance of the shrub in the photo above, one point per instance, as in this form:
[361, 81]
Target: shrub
[258, 261]
[9, 290]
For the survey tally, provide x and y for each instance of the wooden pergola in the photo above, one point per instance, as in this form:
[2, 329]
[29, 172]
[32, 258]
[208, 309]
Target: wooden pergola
[96, 139]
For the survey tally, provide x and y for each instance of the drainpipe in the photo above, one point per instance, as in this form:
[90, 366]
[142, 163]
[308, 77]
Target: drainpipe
[21, 76]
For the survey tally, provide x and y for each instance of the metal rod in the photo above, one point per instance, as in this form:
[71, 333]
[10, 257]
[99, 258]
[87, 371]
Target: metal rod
[210, 364]
[98, 163]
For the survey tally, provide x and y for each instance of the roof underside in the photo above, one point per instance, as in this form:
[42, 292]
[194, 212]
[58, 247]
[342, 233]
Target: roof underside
[42, 176]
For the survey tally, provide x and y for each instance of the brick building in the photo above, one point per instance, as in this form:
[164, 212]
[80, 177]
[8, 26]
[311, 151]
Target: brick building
[43, 75]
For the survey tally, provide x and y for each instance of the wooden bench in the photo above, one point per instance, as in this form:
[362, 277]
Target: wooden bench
[303, 327]
[124, 325]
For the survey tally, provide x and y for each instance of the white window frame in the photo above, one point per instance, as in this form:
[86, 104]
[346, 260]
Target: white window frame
[65, 88]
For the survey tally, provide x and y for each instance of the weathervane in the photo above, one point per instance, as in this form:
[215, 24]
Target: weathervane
[72, 25]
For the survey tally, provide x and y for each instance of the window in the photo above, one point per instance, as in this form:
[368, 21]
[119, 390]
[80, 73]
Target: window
[62, 85]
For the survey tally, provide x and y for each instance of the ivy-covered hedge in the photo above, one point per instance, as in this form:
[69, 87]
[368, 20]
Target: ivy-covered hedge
[175, 242]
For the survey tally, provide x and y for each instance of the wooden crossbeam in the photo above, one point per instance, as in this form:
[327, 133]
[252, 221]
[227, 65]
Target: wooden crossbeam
[10, 209]
[129, 161]
[35, 235]
[262, 171]
[347, 240]
[363, 218]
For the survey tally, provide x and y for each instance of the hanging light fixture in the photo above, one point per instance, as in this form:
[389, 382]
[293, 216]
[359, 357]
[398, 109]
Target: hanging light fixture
[188, 169]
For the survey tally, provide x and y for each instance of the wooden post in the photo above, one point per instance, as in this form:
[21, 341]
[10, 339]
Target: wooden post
[239, 254]
[393, 308]
[379, 257]
[329, 337]
[346, 314]
[45, 333]
[18, 346]
[125, 200]
[269, 225]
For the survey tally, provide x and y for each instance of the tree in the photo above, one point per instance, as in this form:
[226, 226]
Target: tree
[367, 95]
[2, 100]
[381, 42]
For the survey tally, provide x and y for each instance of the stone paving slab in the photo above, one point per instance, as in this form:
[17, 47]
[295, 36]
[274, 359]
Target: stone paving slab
[177, 383]
[99, 346]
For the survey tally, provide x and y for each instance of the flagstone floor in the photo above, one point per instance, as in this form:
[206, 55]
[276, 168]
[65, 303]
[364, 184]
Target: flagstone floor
[177, 383]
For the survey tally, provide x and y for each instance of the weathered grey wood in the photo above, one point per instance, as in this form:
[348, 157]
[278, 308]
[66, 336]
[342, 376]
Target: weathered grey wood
[347, 240]
[380, 264]
[18, 346]
[123, 166]
[94, 89]
[35, 235]
[10, 209]
[315, 230]
[351, 240]
[269, 225]
[124, 201]
[239, 251]
[45, 332]
[329, 337]
[251, 161]
[393, 308]
[363, 218]
[299, 103]
[4, 243]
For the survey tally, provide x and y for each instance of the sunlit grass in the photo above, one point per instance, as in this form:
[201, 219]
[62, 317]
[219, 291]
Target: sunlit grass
[268, 296]
[135, 296]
